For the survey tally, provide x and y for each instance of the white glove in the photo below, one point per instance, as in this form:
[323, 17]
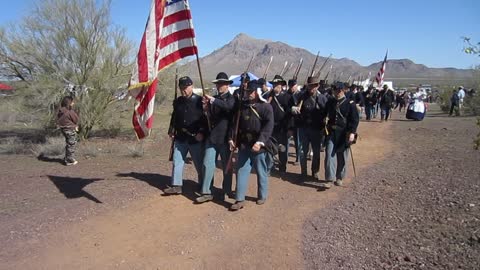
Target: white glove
[295, 110]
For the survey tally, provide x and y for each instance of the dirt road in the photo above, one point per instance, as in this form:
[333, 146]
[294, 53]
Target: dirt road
[110, 213]
[419, 208]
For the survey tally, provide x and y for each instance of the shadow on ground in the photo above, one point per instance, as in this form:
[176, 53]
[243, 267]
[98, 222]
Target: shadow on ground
[50, 159]
[297, 179]
[190, 188]
[72, 187]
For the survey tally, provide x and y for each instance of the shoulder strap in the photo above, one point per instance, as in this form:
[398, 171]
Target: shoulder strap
[255, 112]
[278, 103]
[337, 109]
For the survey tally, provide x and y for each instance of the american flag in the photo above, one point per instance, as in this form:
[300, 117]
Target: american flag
[381, 72]
[168, 37]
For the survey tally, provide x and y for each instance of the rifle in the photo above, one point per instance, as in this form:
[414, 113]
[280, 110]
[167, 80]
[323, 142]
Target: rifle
[284, 67]
[265, 78]
[297, 70]
[353, 163]
[312, 70]
[324, 63]
[289, 67]
[171, 128]
[237, 116]
[268, 67]
[328, 73]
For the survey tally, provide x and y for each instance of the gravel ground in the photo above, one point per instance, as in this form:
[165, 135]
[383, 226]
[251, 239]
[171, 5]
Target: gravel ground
[417, 209]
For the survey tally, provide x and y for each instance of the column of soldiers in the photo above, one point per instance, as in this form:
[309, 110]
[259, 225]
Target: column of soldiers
[258, 123]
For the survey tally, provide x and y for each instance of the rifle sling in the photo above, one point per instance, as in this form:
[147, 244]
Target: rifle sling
[278, 103]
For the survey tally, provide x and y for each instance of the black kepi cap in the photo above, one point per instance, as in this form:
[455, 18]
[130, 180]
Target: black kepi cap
[184, 81]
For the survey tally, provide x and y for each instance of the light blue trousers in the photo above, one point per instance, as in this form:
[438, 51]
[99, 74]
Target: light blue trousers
[180, 150]
[246, 160]
[335, 163]
[209, 166]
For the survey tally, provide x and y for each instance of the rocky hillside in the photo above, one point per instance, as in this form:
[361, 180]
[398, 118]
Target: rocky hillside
[233, 58]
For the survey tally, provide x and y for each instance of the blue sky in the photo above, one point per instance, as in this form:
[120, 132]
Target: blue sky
[426, 31]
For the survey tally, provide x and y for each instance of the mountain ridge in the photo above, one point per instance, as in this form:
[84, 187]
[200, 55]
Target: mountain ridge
[234, 56]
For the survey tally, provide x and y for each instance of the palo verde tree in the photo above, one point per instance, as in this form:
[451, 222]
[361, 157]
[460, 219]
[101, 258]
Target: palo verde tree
[474, 49]
[68, 47]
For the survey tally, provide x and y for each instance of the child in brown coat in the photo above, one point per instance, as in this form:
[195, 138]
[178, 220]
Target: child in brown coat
[67, 121]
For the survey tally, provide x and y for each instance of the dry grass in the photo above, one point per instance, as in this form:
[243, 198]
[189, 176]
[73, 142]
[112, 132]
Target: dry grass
[89, 150]
[136, 150]
[115, 138]
[14, 146]
[54, 146]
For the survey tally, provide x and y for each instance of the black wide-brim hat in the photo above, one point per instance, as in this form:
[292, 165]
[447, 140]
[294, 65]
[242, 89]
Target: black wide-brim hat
[338, 86]
[278, 80]
[222, 77]
[313, 80]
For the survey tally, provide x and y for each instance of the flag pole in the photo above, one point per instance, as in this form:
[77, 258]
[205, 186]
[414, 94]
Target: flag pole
[199, 71]
[203, 88]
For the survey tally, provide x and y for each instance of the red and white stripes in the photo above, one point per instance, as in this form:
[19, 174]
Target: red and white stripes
[168, 37]
[381, 72]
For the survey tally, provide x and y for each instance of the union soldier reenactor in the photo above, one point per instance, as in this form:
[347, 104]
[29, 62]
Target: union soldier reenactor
[244, 79]
[350, 92]
[190, 128]
[254, 131]
[370, 101]
[311, 124]
[265, 91]
[342, 123]
[220, 110]
[294, 95]
[279, 101]
[359, 100]
[322, 88]
[387, 97]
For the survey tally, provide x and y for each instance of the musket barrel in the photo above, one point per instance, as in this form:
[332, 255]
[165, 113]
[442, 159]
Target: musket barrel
[312, 70]
[284, 67]
[297, 70]
[268, 67]
[171, 128]
[324, 63]
[237, 116]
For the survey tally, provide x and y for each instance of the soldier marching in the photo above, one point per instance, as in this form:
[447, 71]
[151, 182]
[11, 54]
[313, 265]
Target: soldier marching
[250, 128]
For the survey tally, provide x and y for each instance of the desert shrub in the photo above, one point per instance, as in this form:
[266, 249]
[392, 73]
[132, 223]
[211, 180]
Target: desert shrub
[89, 150]
[15, 146]
[67, 48]
[136, 150]
[472, 105]
[444, 100]
[54, 146]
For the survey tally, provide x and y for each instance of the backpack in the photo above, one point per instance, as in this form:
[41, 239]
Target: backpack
[387, 97]
[271, 146]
